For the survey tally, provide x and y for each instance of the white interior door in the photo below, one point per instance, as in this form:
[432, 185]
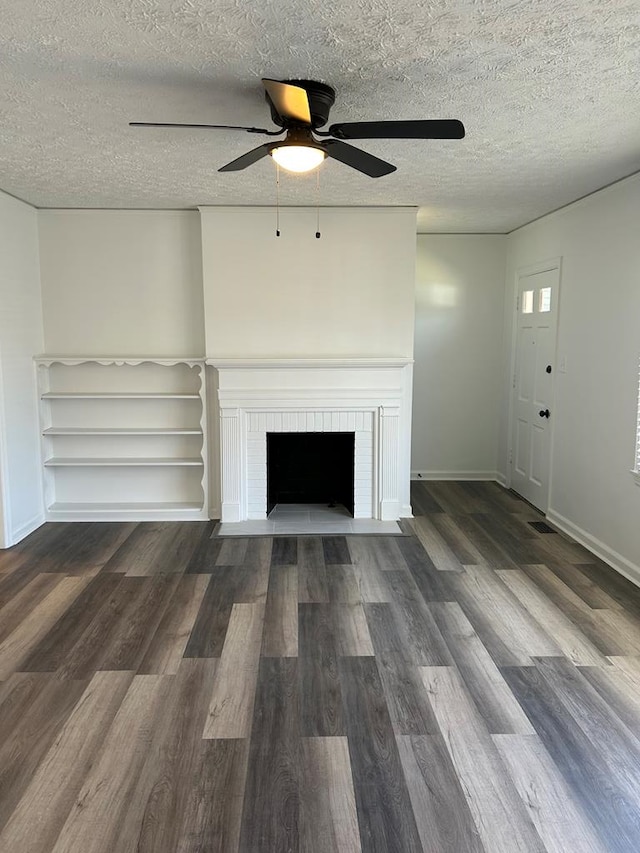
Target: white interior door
[537, 312]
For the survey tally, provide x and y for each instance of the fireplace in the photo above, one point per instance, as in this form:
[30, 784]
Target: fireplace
[369, 398]
[310, 468]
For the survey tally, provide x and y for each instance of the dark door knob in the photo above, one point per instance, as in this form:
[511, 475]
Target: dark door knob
[545, 413]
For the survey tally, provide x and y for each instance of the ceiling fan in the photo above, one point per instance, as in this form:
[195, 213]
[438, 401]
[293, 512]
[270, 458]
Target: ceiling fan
[299, 108]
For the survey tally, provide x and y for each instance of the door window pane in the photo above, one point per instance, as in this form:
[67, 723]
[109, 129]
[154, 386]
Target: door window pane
[544, 304]
[527, 301]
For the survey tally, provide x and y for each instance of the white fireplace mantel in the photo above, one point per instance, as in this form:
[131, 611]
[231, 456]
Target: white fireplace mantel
[305, 363]
[370, 397]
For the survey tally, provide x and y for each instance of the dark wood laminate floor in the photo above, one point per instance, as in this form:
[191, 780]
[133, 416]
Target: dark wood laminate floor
[470, 687]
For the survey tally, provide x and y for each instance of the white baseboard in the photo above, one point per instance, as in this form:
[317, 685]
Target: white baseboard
[25, 529]
[501, 479]
[214, 512]
[606, 554]
[454, 475]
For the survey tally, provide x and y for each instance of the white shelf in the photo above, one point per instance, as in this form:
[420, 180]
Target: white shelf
[118, 508]
[115, 395]
[116, 360]
[121, 431]
[139, 511]
[121, 462]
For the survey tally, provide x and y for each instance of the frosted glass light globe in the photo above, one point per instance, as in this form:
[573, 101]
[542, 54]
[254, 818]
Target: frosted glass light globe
[298, 158]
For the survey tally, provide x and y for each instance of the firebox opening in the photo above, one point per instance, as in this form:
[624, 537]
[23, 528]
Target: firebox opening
[310, 468]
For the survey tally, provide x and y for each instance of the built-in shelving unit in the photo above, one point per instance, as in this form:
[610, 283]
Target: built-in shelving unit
[123, 438]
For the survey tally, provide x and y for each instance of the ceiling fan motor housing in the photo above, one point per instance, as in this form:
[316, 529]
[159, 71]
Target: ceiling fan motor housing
[321, 99]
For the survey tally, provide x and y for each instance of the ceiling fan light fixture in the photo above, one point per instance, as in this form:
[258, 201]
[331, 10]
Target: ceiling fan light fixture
[298, 158]
[300, 107]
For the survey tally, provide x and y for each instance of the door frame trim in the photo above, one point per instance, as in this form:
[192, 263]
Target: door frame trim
[520, 273]
[5, 508]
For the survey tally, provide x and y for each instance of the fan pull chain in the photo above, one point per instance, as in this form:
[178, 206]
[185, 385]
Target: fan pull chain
[318, 204]
[277, 200]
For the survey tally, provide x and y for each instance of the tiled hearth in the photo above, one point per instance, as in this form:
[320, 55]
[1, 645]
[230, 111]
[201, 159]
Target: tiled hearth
[308, 519]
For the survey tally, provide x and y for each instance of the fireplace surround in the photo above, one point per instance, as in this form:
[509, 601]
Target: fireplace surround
[370, 397]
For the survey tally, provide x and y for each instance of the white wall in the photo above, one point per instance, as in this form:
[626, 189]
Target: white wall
[593, 495]
[350, 293]
[122, 282]
[21, 508]
[457, 387]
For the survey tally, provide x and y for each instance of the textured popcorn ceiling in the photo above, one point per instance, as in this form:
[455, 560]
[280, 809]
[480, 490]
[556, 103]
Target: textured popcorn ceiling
[549, 92]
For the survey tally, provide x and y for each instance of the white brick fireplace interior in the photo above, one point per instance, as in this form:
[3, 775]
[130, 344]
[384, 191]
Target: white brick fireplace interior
[369, 397]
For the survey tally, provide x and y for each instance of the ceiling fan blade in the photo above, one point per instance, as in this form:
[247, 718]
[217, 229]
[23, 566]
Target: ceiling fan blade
[247, 159]
[290, 102]
[205, 127]
[357, 159]
[429, 129]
